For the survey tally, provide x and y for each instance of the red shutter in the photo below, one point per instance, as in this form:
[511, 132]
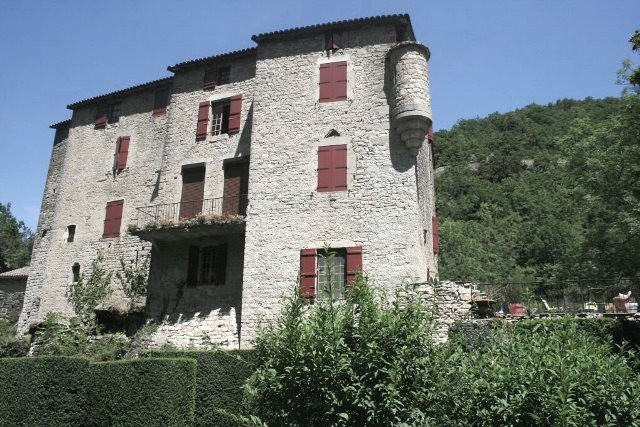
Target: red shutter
[436, 235]
[101, 117]
[308, 273]
[209, 79]
[324, 169]
[354, 263]
[235, 108]
[113, 218]
[192, 266]
[160, 102]
[326, 86]
[203, 120]
[340, 81]
[124, 152]
[333, 81]
[339, 167]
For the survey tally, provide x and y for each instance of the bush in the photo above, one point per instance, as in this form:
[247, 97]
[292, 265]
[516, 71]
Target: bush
[10, 345]
[47, 391]
[361, 361]
[220, 376]
[547, 373]
[142, 392]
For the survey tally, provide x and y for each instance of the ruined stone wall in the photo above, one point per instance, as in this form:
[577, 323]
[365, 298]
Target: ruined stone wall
[380, 210]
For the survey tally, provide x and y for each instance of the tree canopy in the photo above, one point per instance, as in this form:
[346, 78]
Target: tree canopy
[16, 240]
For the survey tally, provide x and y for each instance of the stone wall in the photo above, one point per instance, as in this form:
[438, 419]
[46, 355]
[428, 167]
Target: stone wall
[11, 297]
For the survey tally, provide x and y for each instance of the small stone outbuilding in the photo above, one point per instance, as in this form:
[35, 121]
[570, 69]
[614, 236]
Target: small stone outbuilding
[12, 287]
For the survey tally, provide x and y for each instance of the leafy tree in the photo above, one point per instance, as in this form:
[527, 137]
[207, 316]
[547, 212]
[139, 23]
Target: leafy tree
[16, 240]
[634, 78]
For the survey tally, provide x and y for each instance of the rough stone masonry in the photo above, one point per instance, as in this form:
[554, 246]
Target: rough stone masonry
[229, 178]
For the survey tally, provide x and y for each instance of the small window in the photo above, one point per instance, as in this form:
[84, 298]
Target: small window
[160, 101]
[216, 76]
[75, 270]
[207, 265]
[333, 81]
[220, 118]
[332, 273]
[114, 112]
[71, 233]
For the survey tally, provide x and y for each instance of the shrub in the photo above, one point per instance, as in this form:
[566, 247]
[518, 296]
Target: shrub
[47, 391]
[220, 377]
[546, 374]
[142, 392]
[10, 345]
[361, 361]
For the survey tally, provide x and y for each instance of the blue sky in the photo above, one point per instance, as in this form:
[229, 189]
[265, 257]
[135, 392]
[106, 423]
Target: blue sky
[486, 56]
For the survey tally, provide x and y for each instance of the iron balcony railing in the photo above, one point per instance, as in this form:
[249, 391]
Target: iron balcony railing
[180, 212]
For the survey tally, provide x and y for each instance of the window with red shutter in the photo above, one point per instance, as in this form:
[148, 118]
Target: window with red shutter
[436, 235]
[120, 156]
[333, 81]
[354, 263]
[203, 120]
[113, 218]
[308, 273]
[101, 117]
[160, 101]
[332, 168]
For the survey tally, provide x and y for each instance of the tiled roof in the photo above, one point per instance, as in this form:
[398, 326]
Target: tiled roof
[196, 62]
[136, 88]
[403, 19]
[61, 124]
[18, 273]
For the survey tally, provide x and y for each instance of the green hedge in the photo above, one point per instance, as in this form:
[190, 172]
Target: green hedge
[153, 392]
[46, 391]
[219, 380]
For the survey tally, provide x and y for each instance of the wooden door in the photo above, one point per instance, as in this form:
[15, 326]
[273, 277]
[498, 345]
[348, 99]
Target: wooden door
[236, 186]
[192, 192]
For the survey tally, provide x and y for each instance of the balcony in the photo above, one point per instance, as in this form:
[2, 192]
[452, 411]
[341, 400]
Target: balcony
[198, 218]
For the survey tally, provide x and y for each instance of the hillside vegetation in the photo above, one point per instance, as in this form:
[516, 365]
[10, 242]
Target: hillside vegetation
[542, 193]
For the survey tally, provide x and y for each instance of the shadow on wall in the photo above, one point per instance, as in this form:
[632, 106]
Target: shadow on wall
[401, 159]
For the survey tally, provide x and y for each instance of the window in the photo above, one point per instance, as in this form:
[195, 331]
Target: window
[220, 118]
[107, 113]
[320, 272]
[71, 233]
[216, 76]
[101, 116]
[331, 272]
[333, 81]
[114, 112]
[224, 116]
[120, 156]
[160, 101]
[207, 265]
[332, 168]
[113, 219]
[75, 271]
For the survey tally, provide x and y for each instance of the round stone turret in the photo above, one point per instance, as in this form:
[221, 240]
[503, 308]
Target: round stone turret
[410, 98]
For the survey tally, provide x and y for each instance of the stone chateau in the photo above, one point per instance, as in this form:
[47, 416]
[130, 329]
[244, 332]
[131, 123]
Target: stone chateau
[229, 178]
